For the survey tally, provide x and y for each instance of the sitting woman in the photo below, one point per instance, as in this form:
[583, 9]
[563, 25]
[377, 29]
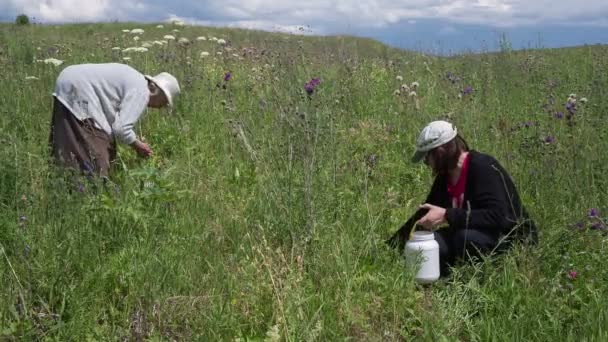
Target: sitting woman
[473, 198]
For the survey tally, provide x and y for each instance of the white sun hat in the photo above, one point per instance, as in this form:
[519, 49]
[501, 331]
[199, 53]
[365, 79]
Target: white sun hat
[433, 135]
[168, 84]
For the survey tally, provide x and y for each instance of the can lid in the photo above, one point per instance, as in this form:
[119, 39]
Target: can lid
[422, 235]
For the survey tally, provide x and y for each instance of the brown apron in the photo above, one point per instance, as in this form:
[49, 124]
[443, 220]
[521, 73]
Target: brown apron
[79, 144]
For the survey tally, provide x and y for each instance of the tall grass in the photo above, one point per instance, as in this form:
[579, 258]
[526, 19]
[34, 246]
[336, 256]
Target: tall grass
[264, 211]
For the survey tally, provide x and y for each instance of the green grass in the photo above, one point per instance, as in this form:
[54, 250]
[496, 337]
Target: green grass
[210, 240]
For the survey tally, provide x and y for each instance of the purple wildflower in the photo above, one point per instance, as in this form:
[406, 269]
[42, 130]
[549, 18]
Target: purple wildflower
[593, 212]
[559, 115]
[468, 90]
[227, 76]
[549, 139]
[311, 85]
[572, 274]
[571, 108]
[598, 226]
[451, 77]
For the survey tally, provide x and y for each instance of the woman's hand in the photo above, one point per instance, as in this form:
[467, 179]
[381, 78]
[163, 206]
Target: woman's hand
[434, 218]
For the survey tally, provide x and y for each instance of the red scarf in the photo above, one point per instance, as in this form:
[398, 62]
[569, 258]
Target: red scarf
[456, 191]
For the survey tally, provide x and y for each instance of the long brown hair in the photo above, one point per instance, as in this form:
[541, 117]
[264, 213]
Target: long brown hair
[446, 156]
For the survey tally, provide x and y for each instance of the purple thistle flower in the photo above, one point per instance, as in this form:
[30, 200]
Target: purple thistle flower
[227, 76]
[311, 85]
[467, 90]
[571, 108]
[572, 274]
[559, 115]
[598, 226]
[593, 212]
[549, 139]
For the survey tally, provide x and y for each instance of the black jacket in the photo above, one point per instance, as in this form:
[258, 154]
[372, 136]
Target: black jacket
[491, 204]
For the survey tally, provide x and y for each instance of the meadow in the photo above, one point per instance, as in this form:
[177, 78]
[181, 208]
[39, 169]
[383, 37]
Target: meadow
[275, 182]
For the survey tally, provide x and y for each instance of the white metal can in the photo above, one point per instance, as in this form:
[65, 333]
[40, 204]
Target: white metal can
[423, 251]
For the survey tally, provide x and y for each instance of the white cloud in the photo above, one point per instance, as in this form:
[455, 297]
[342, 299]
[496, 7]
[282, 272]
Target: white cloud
[321, 15]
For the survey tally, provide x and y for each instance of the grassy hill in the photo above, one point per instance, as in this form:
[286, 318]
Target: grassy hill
[263, 212]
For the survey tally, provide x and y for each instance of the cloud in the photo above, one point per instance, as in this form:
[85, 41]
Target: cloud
[321, 15]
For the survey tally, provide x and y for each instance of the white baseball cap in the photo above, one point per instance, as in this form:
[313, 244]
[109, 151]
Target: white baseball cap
[433, 135]
[168, 84]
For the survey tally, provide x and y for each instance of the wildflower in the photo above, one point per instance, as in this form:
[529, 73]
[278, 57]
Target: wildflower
[204, 54]
[137, 31]
[583, 100]
[598, 226]
[467, 90]
[219, 53]
[179, 23]
[311, 85]
[399, 78]
[159, 42]
[452, 78]
[593, 212]
[405, 88]
[54, 61]
[31, 78]
[201, 38]
[135, 49]
[116, 48]
[126, 31]
[572, 274]
[227, 76]
[412, 94]
[214, 39]
[146, 45]
[397, 92]
[549, 139]
[168, 37]
[235, 55]
[414, 85]
[175, 30]
[559, 115]
[183, 41]
[221, 41]
[572, 96]
[126, 58]
[22, 218]
[160, 26]
[572, 100]
[571, 108]
[273, 333]
[136, 38]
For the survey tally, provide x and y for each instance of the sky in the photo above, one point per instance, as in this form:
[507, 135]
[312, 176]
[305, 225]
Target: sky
[437, 26]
